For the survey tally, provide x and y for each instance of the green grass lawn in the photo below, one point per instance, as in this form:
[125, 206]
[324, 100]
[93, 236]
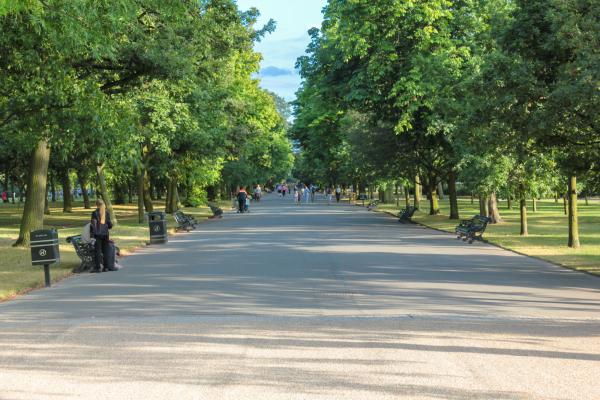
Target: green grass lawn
[547, 230]
[17, 275]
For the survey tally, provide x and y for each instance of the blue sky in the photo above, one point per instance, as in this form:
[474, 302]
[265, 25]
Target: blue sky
[281, 48]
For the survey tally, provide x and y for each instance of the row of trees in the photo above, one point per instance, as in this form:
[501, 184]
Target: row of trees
[151, 97]
[498, 96]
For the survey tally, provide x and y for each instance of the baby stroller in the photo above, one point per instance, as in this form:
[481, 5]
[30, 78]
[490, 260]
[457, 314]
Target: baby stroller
[247, 205]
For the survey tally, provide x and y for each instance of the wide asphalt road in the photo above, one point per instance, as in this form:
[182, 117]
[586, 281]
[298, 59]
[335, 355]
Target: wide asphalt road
[310, 302]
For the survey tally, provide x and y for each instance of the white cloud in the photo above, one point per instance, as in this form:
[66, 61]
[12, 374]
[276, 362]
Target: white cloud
[289, 41]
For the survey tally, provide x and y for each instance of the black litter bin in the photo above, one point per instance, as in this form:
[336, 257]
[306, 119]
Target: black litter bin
[158, 227]
[44, 250]
[44, 247]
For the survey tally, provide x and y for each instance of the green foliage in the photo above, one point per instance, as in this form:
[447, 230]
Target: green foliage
[503, 93]
[160, 86]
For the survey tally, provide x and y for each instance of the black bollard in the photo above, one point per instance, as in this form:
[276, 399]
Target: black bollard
[47, 274]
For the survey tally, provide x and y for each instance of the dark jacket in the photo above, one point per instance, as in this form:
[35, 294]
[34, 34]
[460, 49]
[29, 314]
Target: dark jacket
[100, 230]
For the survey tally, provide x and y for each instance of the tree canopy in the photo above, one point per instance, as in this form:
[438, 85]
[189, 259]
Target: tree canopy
[158, 96]
[489, 96]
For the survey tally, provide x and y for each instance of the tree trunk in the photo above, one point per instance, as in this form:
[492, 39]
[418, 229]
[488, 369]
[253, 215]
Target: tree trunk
[151, 190]
[12, 190]
[46, 205]
[440, 190]
[573, 220]
[407, 196]
[147, 199]
[168, 206]
[523, 211]
[176, 200]
[52, 188]
[67, 190]
[130, 190]
[534, 204]
[493, 211]
[388, 194]
[84, 190]
[103, 192]
[33, 212]
[118, 190]
[556, 197]
[434, 205]
[472, 198]
[483, 206]
[6, 172]
[173, 197]
[454, 213]
[417, 203]
[509, 202]
[565, 207]
[140, 198]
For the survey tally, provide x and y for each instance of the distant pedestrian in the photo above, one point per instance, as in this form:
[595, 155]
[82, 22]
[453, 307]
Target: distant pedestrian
[306, 194]
[329, 195]
[257, 193]
[338, 194]
[4, 197]
[241, 198]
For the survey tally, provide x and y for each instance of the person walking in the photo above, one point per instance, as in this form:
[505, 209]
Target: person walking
[241, 197]
[306, 194]
[257, 193]
[329, 195]
[100, 226]
[338, 193]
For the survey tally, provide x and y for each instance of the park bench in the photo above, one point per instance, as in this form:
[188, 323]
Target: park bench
[217, 211]
[85, 251]
[407, 214]
[373, 205]
[472, 229]
[184, 222]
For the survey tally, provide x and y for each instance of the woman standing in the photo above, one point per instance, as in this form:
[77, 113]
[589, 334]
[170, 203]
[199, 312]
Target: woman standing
[100, 226]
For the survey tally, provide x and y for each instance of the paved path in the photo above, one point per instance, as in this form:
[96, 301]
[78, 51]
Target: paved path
[311, 302]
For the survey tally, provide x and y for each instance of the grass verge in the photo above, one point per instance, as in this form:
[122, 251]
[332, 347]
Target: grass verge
[548, 233]
[17, 275]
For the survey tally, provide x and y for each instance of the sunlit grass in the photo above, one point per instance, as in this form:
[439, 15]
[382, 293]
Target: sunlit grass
[547, 230]
[17, 275]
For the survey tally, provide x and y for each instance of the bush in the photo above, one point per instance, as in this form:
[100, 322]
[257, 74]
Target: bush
[196, 198]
